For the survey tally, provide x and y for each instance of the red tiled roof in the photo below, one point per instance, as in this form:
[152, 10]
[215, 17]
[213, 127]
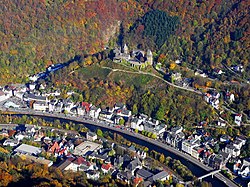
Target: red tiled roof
[200, 150]
[62, 151]
[79, 160]
[86, 106]
[11, 132]
[137, 180]
[54, 147]
[106, 166]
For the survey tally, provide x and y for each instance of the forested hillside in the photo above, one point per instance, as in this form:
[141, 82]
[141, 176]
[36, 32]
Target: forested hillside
[35, 33]
[210, 33]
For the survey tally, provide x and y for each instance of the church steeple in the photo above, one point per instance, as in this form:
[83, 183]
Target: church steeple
[149, 57]
[125, 49]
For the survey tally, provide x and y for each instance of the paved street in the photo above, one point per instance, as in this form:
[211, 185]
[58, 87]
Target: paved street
[97, 123]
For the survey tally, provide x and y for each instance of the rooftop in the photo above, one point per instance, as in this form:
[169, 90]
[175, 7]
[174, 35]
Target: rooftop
[86, 147]
[39, 160]
[28, 149]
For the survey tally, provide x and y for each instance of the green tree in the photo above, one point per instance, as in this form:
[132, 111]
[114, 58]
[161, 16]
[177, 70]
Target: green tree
[99, 133]
[162, 158]
[154, 136]
[122, 121]
[160, 113]
[134, 109]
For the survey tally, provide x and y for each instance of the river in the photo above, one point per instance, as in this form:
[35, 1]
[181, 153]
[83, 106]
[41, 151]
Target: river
[196, 170]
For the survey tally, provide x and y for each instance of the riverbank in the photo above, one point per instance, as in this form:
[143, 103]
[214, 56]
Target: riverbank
[187, 160]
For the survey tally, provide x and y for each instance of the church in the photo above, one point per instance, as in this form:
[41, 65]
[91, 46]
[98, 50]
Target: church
[137, 58]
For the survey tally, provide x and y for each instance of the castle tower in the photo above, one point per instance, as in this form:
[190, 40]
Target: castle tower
[149, 57]
[125, 49]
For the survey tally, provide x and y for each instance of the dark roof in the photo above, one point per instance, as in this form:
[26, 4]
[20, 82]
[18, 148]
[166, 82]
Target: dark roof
[35, 97]
[133, 164]
[124, 175]
[224, 155]
[144, 174]
[119, 105]
[62, 165]
[126, 158]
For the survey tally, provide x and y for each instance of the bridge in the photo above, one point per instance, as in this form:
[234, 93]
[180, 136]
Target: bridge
[212, 173]
[96, 123]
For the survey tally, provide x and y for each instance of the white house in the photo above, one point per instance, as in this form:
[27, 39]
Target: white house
[231, 98]
[225, 138]
[94, 112]
[237, 144]
[19, 95]
[32, 86]
[40, 106]
[91, 136]
[237, 119]
[136, 124]
[34, 77]
[3, 96]
[161, 176]
[242, 139]
[68, 105]
[10, 142]
[124, 113]
[20, 136]
[188, 145]
[10, 104]
[231, 149]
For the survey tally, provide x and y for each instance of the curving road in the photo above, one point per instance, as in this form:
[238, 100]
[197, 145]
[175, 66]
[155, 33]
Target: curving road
[156, 76]
[161, 145]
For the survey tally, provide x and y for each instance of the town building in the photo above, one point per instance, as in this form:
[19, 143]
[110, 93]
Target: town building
[137, 58]
[38, 160]
[40, 106]
[86, 148]
[91, 136]
[189, 145]
[238, 119]
[231, 149]
[28, 149]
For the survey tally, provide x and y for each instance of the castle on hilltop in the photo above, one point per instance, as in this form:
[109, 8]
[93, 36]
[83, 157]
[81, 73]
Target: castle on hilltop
[136, 58]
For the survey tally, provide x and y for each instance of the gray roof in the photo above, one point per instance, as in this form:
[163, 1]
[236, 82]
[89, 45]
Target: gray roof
[237, 142]
[32, 96]
[160, 175]
[124, 175]
[119, 105]
[230, 146]
[224, 155]
[27, 149]
[125, 111]
[62, 165]
[134, 120]
[91, 133]
[133, 164]
[144, 174]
